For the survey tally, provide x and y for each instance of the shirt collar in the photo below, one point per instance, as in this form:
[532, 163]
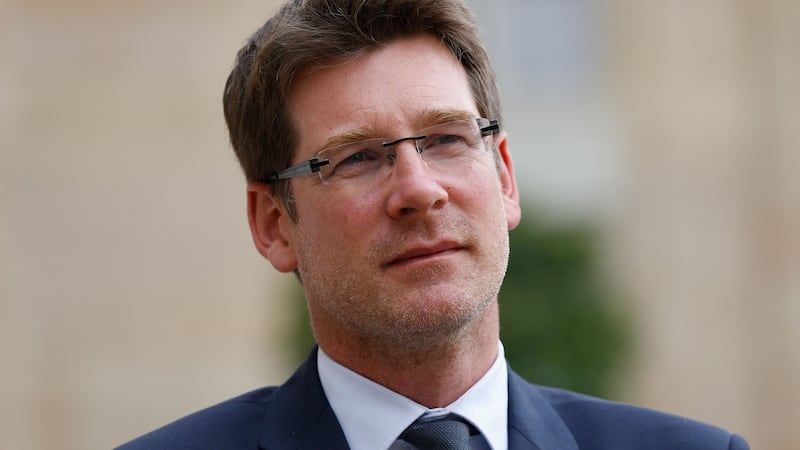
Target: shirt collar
[372, 416]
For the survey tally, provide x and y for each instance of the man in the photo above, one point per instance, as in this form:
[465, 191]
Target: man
[369, 133]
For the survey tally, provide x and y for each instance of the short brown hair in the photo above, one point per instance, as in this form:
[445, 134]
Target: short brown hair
[308, 32]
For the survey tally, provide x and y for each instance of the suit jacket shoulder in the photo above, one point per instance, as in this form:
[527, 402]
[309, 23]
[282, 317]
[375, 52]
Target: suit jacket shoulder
[235, 423]
[295, 415]
[596, 424]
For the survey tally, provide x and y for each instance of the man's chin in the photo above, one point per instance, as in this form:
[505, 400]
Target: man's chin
[437, 316]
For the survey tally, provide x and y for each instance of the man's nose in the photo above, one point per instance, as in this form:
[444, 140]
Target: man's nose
[415, 188]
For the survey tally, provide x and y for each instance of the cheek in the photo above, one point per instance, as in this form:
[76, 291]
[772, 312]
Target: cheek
[343, 218]
[331, 243]
[357, 213]
[478, 183]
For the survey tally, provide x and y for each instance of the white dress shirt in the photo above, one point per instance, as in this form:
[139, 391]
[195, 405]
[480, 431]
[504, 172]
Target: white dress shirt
[372, 416]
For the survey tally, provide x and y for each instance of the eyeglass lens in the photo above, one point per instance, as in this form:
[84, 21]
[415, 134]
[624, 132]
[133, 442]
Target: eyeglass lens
[440, 146]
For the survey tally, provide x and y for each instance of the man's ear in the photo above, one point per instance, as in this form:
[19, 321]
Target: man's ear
[508, 182]
[271, 227]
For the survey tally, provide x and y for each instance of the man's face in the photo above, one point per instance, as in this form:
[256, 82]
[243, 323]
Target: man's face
[422, 252]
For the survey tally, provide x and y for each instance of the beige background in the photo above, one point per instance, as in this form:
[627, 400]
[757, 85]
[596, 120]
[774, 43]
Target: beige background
[130, 294]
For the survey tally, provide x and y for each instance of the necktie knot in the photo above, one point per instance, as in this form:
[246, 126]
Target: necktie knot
[442, 433]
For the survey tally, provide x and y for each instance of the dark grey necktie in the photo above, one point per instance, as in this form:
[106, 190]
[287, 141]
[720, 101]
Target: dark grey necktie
[444, 433]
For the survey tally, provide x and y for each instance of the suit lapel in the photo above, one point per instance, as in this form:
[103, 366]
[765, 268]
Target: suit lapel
[532, 421]
[299, 416]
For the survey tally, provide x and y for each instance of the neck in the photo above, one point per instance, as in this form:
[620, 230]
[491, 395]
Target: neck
[433, 374]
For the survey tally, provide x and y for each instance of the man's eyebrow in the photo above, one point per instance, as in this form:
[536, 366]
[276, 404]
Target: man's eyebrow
[428, 118]
[348, 137]
[440, 116]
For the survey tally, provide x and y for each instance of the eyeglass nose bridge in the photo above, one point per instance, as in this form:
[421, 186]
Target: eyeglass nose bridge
[392, 156]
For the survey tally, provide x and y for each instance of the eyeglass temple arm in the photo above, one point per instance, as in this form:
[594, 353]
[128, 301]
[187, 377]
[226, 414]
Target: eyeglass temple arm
[310, 166]
[492, 128]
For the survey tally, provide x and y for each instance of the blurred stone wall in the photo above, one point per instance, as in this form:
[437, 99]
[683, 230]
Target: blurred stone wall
[706, 235]
[130, 293]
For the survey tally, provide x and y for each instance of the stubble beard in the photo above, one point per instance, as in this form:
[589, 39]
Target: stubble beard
[432, 310]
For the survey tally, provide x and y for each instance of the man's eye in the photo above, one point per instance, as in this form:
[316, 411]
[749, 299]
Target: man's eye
[447, 142]
[358, 157]
[444, 139]
[356, 162]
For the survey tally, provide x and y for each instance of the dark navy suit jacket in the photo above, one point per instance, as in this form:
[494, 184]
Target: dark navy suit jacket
[297, 415]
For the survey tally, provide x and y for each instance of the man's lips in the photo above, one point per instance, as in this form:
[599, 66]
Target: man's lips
[424, 251]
